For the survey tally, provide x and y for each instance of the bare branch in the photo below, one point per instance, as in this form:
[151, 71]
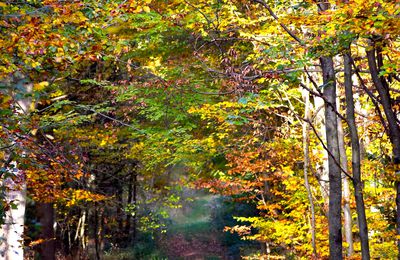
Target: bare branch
[292, 34]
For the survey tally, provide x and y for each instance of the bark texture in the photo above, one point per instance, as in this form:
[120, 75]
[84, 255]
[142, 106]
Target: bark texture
[306, 150]
[12, 231]
[356, 159]
[346, 190]
[46, 215]
[335, 180]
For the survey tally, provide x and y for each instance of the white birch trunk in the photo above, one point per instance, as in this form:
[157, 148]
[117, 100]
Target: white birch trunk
[12, 232]
[346, 189]
[322, 168]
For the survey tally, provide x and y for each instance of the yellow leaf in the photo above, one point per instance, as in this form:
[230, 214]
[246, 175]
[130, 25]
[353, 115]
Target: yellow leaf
[146, 9]
[50, 137]
[3, 4]
[41, 85]
[261, 80]
[34, 131]
[35, 64]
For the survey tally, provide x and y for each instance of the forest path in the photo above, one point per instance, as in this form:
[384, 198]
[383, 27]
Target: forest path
[192, 234]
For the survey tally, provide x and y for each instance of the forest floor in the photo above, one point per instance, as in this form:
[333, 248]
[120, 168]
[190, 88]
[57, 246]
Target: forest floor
[192, 234]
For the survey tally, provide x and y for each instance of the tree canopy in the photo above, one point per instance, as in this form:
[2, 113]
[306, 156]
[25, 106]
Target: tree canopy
[273, 123]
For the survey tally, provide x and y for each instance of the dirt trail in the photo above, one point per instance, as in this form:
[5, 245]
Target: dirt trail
[180, 247]
[192, 234]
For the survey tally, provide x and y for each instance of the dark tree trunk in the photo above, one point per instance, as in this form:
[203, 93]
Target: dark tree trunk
[119, 197]
[356, 158]
[128, 202]
[394, 130]
[335, 180]
[46, 215]
[132, 200]
[96, 232]
[134, 203]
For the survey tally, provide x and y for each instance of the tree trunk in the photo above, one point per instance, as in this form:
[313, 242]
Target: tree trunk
[346, 190]
[322, 169]
[335, 180]
[12, 231]
[356, 158]
[306, 149]
[96, 232]
[120, 239]
[134, 234]
[46, 215]
[132, 200]
[128, 202]
[394, 130]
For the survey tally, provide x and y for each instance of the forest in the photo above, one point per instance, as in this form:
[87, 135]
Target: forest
[207, 129]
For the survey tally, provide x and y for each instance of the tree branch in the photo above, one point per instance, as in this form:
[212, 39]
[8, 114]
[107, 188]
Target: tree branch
[292, 34]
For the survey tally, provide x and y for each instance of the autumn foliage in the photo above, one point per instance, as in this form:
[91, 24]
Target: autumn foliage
[115, 115]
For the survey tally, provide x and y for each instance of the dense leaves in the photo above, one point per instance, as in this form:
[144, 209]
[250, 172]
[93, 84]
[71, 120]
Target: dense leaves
[135, 104]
